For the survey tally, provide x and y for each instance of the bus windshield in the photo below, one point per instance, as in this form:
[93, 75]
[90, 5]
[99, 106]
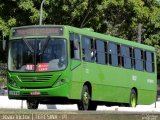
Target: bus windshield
[37, 55]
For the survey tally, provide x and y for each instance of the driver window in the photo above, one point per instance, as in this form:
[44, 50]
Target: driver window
[74, 46]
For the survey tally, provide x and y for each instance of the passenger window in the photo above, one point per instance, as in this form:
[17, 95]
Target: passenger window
[74, 46]
[100, 52]
[138, 59]
[88, 49]
[149, 62]
[113, 56]
[126, 56]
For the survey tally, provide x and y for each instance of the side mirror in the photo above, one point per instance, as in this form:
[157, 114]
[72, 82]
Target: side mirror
[4, 44]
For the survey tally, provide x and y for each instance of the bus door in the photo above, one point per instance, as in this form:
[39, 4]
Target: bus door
[75, 65]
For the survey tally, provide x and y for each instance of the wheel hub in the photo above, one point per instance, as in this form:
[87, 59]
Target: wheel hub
[86, 98]
[133, 101]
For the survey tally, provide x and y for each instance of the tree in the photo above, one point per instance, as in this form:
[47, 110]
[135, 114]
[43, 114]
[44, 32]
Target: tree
[115, 17]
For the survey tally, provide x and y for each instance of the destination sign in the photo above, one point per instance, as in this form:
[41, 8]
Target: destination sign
[37, 31]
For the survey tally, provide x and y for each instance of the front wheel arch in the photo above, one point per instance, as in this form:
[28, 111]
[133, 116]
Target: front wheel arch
[85, 102]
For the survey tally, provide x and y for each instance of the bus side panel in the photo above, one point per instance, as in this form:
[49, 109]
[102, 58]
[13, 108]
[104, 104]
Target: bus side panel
[76, 80]
[146, 84]
[114, 84]
[146, 97]
[110, 84]
[108, 93]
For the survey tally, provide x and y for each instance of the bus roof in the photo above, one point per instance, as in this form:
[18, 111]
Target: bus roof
[90, 32]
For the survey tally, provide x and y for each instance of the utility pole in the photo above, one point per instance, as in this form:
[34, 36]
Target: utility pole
[139, 32]
[41, 12]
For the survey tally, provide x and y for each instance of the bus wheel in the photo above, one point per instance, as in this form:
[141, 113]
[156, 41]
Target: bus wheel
[133, 99]
[32, 104]
[85, 103]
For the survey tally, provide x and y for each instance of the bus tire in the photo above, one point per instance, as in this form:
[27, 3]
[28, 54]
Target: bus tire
[85, 103]
[32, 104]
[133, 98]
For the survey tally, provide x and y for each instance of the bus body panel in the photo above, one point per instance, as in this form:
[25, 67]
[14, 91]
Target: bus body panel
[110, 84]
[76, 79]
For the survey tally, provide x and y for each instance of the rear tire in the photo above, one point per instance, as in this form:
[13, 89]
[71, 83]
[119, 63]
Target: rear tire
[85, 103]
[133, 99]
[32, 104]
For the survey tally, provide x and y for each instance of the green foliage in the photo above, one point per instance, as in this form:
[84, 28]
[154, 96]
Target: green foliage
[115, 17]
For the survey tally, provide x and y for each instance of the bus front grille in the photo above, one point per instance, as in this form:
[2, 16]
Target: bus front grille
[35, 78]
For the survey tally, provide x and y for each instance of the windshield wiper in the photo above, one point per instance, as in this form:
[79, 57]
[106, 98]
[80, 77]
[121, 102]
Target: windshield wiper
[45, 45]
[28, 45]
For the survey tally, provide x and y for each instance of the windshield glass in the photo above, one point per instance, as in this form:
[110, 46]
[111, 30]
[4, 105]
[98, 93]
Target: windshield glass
[37, 55]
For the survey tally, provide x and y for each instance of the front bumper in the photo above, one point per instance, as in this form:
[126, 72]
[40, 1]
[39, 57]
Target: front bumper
[24, 94]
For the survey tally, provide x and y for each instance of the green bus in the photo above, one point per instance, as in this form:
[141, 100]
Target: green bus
[60, 64]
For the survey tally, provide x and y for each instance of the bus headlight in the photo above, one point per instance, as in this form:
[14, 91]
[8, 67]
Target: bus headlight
[59, 82]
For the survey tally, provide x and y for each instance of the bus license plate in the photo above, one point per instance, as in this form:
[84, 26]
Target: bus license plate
[35, 93]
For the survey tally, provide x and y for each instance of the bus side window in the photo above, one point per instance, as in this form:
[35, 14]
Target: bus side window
[126, 61]
[100, 52]
[87, 49]
[149, 61]
[153, 65]
[74, 46]
[138, 59]
[113, 56]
